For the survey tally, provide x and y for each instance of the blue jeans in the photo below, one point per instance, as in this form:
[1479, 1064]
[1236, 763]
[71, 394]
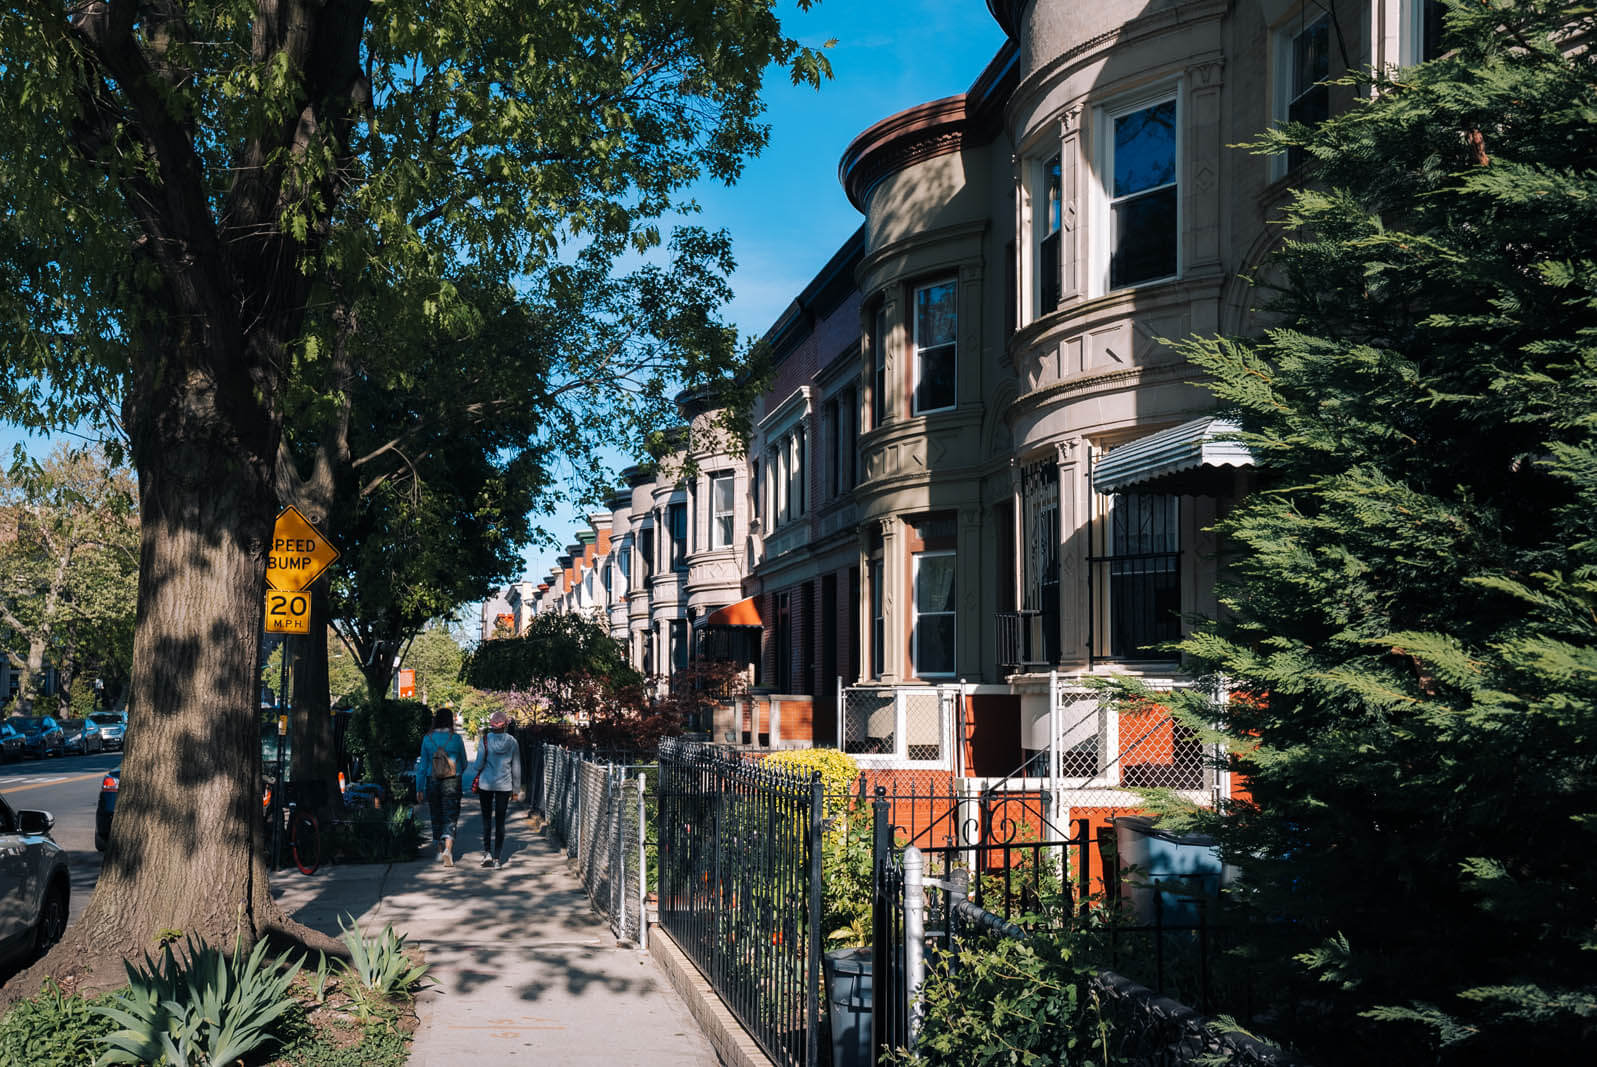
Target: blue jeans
[443, 803]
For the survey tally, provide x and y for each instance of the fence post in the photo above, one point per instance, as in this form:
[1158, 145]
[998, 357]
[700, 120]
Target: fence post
[643, 863]
[812, 986]
[914, 936]
[882, 935]
[959, 878]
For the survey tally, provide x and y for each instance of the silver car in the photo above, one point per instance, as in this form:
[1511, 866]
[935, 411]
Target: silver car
[110, 725]
[35, 890]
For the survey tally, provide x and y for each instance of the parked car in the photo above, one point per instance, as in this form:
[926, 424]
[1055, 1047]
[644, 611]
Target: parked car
[35, 888]
[111, 726]
[81, 738]
[41, 735]
[106, 807]
[11, 743]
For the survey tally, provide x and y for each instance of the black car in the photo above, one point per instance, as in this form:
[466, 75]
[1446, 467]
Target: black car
[41, 735]
[35, 885]
[106, 807]
[111, 726]
[11, 743]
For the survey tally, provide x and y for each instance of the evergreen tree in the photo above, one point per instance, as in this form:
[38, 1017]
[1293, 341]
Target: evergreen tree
[1412, 608]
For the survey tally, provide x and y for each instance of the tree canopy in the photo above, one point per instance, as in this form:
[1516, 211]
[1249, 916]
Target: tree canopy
[1410, 615]
[68, 561]
[208, 214]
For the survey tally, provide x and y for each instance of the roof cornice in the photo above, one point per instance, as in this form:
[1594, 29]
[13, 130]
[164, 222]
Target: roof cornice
[926, 131]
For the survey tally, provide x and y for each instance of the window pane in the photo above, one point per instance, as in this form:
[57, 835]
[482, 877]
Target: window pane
[1051, 196]
[721, 492]
[1145, 239]
[1311, 57]
[934, 644]
[934, 315]
[934, 583]
[1145, 149]
[936, 386]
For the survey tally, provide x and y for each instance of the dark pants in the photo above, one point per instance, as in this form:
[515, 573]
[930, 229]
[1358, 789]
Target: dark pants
[494, 803]
[443, 803]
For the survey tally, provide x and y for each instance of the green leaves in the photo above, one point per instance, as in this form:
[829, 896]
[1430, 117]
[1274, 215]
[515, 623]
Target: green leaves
[204, 1008]
[380, 964]
[1411, 611]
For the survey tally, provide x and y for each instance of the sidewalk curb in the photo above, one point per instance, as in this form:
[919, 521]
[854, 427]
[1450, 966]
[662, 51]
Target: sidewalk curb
[733, 1045]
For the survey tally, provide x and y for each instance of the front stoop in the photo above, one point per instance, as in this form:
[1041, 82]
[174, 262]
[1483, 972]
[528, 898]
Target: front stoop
[733, 1045]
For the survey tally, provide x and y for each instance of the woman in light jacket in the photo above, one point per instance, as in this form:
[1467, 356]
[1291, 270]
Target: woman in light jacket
[438, 770]
[498, 774]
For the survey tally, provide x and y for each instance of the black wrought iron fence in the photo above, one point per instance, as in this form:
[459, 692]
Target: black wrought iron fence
[740, 888]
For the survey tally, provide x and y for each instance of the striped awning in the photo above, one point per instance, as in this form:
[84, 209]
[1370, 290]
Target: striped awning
[1165, 461]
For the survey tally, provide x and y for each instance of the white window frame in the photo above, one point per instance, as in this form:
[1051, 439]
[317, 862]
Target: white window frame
[1044, 224]
[917, 559]
[914, 325]
[899, 756]
[1102, 245]
[729, 479]
[1411, 32]
[1282, 72]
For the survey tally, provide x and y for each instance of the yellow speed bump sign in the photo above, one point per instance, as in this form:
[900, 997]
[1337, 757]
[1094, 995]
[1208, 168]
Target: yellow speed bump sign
[288, 613]
[299, 555]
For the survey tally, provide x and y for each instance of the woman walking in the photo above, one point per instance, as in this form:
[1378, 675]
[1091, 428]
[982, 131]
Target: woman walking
[443, 757]
[497, 773]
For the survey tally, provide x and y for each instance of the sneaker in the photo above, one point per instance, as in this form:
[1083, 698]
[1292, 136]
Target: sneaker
[449, 859]
[487, 860]
[498, 864]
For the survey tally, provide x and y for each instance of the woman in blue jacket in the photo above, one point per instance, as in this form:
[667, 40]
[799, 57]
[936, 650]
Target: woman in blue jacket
[438, 770]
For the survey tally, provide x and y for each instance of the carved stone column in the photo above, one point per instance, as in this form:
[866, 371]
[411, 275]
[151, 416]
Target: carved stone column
[1072, 268]
[894, 626]
[1202, 189]
[971, 626]
[1071, 456]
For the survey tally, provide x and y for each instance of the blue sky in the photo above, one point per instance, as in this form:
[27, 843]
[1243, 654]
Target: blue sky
[788, 214]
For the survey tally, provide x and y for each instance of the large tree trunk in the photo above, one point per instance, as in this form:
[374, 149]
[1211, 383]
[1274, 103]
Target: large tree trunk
[186, 850]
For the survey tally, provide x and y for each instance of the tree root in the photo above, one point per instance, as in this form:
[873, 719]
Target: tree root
[90, 963]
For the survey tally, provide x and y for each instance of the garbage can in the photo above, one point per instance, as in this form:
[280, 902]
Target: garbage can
[1175, 873]
[848, 1005]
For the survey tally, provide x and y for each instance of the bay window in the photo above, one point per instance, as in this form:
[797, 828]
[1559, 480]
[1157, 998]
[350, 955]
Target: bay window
[1303, 63]
[935, 326]
[722, 488]
[1048, 225]
[1142, 186]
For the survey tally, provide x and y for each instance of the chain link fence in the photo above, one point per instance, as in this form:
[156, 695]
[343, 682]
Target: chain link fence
[595, 811]
[899, 724]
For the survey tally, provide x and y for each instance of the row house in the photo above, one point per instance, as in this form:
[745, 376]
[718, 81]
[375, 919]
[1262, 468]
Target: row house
[995, 482]
[980, 475]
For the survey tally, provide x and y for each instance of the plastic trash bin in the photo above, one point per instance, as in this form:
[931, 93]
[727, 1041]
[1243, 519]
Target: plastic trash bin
[848, 1005]
[1175, 876]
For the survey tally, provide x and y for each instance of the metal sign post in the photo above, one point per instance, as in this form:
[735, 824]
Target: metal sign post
[299, 556]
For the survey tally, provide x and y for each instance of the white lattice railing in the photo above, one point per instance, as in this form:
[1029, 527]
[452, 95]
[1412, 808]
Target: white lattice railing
[1098, 751]
[898, 726]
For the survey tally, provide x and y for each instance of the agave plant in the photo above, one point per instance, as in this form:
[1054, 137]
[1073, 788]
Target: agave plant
[379, 964]
[200, 1009]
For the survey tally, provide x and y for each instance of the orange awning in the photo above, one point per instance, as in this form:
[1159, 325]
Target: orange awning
[743, 613]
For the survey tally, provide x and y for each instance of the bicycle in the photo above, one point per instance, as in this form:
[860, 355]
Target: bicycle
[304, 836]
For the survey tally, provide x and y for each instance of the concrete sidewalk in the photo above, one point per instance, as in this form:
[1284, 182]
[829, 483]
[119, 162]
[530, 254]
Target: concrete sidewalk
[524, 971]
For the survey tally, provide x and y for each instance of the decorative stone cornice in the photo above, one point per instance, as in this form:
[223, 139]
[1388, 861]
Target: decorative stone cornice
[926, 131]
